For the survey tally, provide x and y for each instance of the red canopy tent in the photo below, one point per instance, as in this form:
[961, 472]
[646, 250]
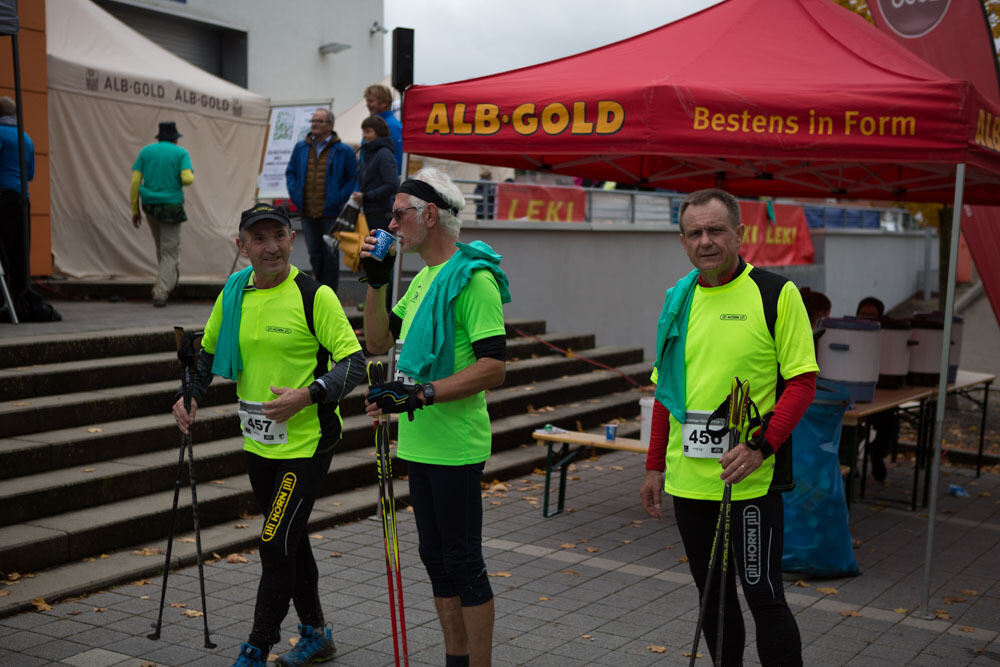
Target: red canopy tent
[761, 97]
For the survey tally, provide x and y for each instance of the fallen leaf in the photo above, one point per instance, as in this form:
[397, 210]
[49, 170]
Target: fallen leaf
[143, 597]
[617, 467]
[582, 540]
[942, 614]
[146, 551]
[495, 502]
[4, 593]
[335, 554]
[178, 605]
[849, 613]
[952, 599]
[104, 556]
[89, 559]
[901, 610]
[89, 469]
[95, 429]
[687, 654]
[218, 482]
[13, 576]
[652, 648]
[593, 550]
[75, 612]
[140, 582]
[985, 494]
[669, 547]
[21, 404]
[193, 613]
[100, 610]
[241, 525]
[237, 558]
[802, 583]
[682, 559]
[29, 575]
[41, 605]
[543, 599]
[827, 590]
[572, 573]
[316, 536]
[966, 628]
[186, 540]
[970, 592]
[293, 640]
[500, 574]
[626, 541]
[147, 664]
[568, 545]
[586, 636]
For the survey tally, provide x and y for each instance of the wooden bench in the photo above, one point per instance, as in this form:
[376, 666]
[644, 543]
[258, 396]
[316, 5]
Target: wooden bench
[561, 461]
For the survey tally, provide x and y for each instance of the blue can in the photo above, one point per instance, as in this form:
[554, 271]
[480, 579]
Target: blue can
[610, 432]
[383, 241]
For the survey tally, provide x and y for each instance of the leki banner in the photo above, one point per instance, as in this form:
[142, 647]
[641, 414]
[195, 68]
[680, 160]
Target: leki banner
[542, 203]
[782, 241]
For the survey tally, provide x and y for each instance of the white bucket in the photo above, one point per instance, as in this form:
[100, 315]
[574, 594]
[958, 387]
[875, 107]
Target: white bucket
[848, 354]
[645, 419]
[894, 362]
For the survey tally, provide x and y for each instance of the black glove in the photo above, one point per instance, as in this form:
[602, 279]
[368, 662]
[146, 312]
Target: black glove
[377, 272]
[758, 442]
[395, 397]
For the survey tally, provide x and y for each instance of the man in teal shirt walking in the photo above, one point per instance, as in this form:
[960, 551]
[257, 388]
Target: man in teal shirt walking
[158, 175]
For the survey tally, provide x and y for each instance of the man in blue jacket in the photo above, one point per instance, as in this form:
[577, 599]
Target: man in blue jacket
[321, 175]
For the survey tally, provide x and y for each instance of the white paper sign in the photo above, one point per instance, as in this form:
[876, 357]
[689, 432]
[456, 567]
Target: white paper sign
[288, 126]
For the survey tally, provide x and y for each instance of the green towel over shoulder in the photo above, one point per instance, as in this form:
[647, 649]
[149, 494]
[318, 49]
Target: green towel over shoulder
[671, 337]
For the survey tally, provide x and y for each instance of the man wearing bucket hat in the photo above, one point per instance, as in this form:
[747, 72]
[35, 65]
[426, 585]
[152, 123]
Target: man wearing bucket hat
[451, 329]
[158, 175]
[275, 331]
[724, 320]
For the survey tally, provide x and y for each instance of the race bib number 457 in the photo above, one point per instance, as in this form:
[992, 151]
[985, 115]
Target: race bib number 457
[698, 442]
[259, 428]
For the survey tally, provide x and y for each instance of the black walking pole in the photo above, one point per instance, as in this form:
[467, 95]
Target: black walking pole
[736, 411]
[187, 353]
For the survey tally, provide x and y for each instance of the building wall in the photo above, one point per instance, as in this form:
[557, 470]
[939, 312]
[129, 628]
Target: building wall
[34, 108]
[609, 279]
[283, 40]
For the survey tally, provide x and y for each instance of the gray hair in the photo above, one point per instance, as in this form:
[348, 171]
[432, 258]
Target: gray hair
[7, 106]
[702, 197]
[450, 192]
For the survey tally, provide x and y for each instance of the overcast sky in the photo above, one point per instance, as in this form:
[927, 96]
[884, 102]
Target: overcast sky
[458, 39]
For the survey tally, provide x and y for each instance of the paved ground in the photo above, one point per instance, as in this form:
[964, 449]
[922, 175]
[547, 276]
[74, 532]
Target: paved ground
[599, 584]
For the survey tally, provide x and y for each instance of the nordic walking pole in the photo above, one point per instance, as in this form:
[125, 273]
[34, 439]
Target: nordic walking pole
[739, 400]
[386, 468]
[187, 351]
[721, 530]
[376, 374]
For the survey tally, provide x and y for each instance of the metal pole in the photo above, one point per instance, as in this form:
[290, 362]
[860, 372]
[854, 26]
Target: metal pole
[956, 222]
[927, 264]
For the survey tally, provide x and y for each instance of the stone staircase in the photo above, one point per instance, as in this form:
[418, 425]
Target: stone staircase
[89, 451]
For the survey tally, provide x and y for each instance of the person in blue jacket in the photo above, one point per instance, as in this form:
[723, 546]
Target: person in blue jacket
[321, 175]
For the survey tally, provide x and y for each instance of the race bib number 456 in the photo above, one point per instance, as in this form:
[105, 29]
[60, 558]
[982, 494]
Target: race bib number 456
[698, 442]
[259, 428]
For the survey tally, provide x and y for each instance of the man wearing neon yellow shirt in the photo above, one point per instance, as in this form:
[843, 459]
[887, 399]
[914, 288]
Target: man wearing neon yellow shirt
[158, 175]
[723, 320]
[450, 326]
[275, 331]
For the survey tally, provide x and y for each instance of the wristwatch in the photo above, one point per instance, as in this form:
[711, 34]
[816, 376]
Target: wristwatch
[316, 392]
[428, 390]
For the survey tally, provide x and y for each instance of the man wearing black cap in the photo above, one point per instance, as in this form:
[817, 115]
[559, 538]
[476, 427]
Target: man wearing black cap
[275, 331]
[450, 326]
[158, 175]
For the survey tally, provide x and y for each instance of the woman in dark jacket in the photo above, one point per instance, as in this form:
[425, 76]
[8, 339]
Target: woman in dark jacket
[377, 178]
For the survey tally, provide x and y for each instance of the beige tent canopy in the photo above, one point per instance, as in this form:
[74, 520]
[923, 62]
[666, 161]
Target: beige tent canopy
[109, 87]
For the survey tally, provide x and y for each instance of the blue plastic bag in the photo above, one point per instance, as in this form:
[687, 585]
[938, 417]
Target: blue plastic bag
[817, 530]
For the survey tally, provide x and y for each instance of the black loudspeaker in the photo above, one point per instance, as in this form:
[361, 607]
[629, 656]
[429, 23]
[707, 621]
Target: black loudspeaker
[402, 58]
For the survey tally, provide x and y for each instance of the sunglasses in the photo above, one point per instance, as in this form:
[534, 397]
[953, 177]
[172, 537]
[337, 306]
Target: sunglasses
[398, 213]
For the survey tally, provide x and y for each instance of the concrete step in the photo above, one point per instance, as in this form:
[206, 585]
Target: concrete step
[91, 482]
[71, 535]
[60, 411]
[129, 564]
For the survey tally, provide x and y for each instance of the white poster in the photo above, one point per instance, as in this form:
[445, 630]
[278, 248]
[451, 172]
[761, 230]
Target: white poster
[288, 126]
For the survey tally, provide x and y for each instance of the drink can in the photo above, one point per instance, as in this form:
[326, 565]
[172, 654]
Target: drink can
[383, 241]
[610, 432]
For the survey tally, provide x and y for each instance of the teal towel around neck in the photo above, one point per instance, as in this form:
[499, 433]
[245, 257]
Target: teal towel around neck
[671, 337]
[228, 362]
[429, 351]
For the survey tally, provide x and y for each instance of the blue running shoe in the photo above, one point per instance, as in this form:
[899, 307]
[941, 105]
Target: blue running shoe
[250, 656]
[315, 645]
